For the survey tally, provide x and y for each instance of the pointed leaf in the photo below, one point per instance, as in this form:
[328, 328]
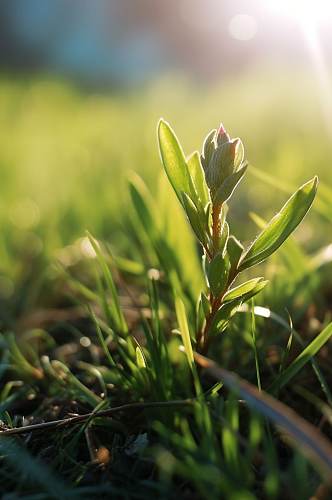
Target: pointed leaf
[224, 315]
[193, 217]
[227, 188]
[234, 251]
[242, 290]
[140, 360]
[281, 226]
[230, 307]
[198, 177]
[209, 146]
[218, 270]
[173, 159]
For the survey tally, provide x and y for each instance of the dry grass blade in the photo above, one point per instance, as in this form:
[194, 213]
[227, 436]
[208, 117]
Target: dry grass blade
[305, 436]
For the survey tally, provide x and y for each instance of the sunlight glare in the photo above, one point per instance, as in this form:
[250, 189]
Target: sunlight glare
[309, 16]
[303, 10]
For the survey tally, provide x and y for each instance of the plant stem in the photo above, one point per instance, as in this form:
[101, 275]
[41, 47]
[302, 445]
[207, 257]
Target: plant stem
[55, 424]
[216, 227]
[204, 340]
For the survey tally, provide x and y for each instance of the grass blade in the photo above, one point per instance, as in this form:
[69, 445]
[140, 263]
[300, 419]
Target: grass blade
[253, 333]
[307, 438]
[184, 329]
[302, 359]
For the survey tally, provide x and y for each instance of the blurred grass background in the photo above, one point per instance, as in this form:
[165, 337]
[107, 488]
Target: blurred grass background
[65, 154]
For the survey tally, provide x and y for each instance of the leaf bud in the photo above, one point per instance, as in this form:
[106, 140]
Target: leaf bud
[221, 158]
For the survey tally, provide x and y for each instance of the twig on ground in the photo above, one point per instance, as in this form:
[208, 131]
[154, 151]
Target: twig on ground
[55, 424]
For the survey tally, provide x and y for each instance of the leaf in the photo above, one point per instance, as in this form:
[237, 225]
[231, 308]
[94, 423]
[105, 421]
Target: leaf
[193, 217]
[184, 329]
[173, 159]
[218, 270]
[234, 251]
[225, 191]
[224, 315]
[302, 359]
[230, 307]
[242, 290]
[304, 435]
[239, 153]
[140, 358]
[203, 309]
[205, 304]
[322, 204]
[209, 146]
[222, 243]
[226, 160]
[281, 226]
[198, 178]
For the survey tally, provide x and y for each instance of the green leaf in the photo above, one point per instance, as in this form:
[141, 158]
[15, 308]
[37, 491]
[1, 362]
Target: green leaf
[209, 146]
[303, 358]
[242, 290]
[225, 191]
[205, 304]
[198, 178]
[224, 315]
[222, 244]
[239, 154]
[234, 251]
[173, 159]
[184, 329]
[218, 270]
[203, 309]
[281, 226]
[230, 307]
[225, 161]
[193, 217]
[140, 358]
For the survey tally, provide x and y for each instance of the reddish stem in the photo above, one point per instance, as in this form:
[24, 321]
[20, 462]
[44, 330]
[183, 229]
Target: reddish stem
[216, 226]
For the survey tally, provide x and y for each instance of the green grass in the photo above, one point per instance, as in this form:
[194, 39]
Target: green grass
[90, 323]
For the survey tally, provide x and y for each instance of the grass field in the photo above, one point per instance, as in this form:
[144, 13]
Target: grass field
[91, 323]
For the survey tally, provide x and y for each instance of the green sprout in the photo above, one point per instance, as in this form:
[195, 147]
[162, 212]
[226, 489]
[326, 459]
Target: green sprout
[204, 183]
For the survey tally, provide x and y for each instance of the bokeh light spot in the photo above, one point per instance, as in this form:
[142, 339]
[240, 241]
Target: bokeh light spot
[242, 27]
[85, 341]
[86, 248]
[24, 214]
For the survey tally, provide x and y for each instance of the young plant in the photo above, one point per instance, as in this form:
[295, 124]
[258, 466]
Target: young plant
[204, 184]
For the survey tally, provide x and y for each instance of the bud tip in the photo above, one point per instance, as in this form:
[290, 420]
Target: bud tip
[221, 130]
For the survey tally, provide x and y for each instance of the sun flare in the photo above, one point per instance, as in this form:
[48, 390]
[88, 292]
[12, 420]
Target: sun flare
[303, 10]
